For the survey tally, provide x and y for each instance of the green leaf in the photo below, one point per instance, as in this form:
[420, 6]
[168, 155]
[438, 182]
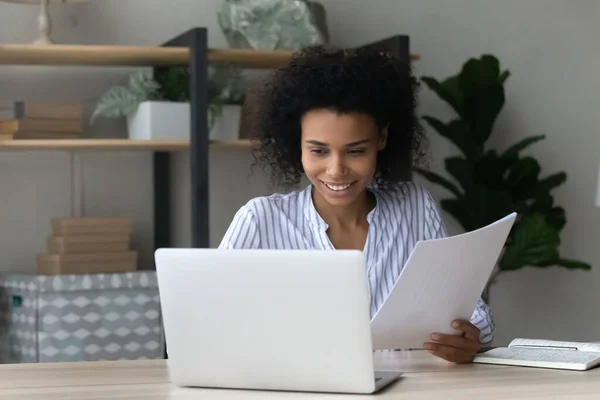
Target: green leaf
[142, 85]
[513, 151]
[214, 111]
[483, 95]
[573, 264]
[452, 86]
[174, 83]
[121, 100]
[481, 72]
[459, 210]
[225, 84]
[543, 203]
[522, 178]
[533, 242]
[461, 170]
[116, 102]
[449, 92]
[551, 182]
[482, 105]
[556, 217]
[457, 132]
[439, 180]
[494, 205]
[486, 206]
[490, 171]
[503, 77]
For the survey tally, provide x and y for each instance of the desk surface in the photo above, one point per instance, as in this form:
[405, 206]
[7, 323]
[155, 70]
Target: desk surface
[426, 377]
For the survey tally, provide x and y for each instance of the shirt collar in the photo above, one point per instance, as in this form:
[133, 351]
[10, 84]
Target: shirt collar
[311, 214]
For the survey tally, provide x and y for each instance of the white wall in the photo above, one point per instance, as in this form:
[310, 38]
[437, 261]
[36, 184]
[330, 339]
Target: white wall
[548, 45]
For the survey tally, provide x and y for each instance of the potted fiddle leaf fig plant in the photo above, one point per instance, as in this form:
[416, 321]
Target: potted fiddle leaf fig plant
[486, 184]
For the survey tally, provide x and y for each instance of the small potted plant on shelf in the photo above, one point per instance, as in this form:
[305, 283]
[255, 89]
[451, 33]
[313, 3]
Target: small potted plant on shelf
[157, 106]
[226, 97]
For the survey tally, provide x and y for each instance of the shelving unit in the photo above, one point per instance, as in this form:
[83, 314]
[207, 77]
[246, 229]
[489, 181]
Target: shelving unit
[111, 144]
[189, 49]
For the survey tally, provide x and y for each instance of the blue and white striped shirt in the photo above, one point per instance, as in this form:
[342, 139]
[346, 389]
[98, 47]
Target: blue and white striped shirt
[401, 217]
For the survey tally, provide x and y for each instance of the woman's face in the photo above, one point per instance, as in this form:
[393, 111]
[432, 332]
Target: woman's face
[339, 153]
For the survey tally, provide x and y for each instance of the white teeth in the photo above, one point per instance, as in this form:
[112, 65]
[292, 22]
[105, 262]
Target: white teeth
[337, 188]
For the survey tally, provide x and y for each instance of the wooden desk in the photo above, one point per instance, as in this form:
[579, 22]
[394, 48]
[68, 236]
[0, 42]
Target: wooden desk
[425, 377]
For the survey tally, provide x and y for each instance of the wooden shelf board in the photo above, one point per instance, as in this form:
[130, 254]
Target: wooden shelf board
[102, 55]
[109, 144]
[94, 55]
[89, 55]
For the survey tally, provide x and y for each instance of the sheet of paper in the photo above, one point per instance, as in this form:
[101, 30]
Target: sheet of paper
[441, 281]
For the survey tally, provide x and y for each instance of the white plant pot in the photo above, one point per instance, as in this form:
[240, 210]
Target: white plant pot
[160, 120]
[171, 120]
[227, 125]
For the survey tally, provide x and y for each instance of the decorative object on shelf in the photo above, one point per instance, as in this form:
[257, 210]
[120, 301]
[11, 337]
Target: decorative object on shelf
[80, 317]
[41, 120]
[44, 22]
[493, 184]
[226, 98]
[273, 24]
[88, 245]
[123, 100]
[155, 119]
[157, 106]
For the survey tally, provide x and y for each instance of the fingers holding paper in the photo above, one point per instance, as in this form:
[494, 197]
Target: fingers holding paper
[460, 348]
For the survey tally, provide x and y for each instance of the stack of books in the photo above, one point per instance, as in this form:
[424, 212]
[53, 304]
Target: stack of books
[41, 120]
[88, 245]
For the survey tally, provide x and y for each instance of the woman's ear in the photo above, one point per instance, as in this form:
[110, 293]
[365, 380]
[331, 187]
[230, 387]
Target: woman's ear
[383, 135]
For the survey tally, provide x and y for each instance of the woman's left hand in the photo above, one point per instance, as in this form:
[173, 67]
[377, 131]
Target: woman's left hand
[461, 348]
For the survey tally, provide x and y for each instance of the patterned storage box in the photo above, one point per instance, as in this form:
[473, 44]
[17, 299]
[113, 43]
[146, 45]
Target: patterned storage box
[80, 317]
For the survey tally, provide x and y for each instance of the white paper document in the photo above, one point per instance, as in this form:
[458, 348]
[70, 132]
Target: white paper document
[442, 281]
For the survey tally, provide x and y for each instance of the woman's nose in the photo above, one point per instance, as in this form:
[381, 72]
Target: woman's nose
[336, 167]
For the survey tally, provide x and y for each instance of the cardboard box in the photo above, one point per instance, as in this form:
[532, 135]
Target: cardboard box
[87, 263]
[88, 244]
[92, 226]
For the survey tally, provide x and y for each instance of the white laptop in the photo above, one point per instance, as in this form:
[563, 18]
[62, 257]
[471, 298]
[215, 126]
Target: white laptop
[268, 320]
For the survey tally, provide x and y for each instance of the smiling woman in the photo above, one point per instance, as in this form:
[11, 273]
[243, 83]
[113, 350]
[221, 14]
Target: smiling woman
[346, 121]
[374, 85]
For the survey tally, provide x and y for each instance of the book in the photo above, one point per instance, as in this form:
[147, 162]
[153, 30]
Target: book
[88, 244]
[40, 135]
[542, 353]
[48, 110]
[14, 126]
[87, 263]
[37, 109]
[72, 226]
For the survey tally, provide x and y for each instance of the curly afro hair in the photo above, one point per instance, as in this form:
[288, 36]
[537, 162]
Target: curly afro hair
[344, 81]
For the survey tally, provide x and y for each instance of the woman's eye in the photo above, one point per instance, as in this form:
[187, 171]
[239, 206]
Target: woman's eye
[317, 151]
[357, 151]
